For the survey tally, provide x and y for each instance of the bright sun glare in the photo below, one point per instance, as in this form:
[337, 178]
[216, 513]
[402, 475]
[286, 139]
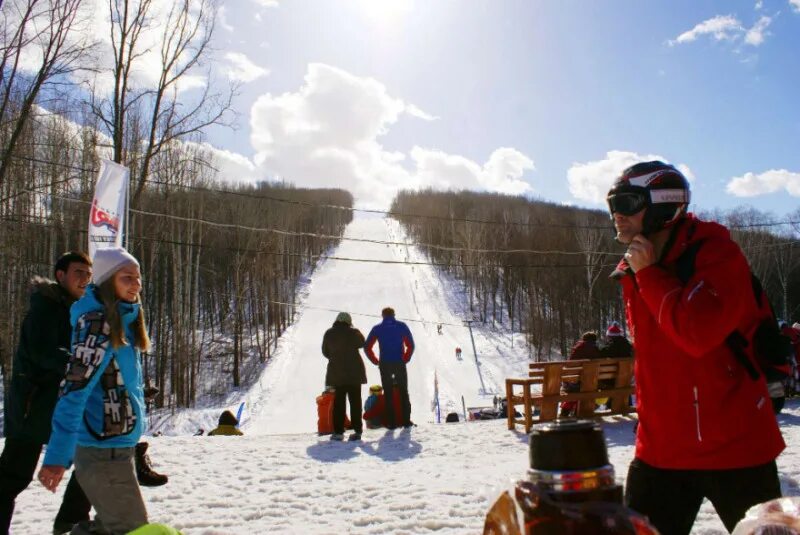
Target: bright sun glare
[384, 11]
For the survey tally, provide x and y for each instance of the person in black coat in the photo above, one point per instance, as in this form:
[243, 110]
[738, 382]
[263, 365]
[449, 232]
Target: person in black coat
[616, 346]
[585, 348]
[346, 373]
[38, 368]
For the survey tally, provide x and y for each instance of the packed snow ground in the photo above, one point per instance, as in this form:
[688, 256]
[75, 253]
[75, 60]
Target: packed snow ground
[281, 478]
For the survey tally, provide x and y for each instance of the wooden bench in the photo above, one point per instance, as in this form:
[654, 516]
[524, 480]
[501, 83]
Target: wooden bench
[550, 375]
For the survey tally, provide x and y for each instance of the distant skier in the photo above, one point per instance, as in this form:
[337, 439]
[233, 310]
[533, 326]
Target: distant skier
[439, 328]
[458, 353]
[396, 347]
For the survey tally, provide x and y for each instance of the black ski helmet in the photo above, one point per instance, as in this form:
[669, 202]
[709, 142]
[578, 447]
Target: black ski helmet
[655, 186]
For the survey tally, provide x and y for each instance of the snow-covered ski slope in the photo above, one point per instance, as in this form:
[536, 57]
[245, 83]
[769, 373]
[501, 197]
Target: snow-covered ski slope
[283, 400]
[430, 479]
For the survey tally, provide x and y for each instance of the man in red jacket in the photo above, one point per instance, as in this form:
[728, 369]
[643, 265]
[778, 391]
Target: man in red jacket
[706, 428]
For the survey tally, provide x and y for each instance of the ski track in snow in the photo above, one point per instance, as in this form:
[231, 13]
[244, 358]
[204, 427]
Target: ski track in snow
[281, 478]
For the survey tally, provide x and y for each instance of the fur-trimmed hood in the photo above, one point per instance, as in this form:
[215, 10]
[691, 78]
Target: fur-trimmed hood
[50, 289]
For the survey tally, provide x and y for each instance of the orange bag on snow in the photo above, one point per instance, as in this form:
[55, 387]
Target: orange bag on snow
[325, 414]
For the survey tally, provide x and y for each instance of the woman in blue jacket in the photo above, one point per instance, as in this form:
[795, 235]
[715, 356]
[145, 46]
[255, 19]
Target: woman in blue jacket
[100, 415]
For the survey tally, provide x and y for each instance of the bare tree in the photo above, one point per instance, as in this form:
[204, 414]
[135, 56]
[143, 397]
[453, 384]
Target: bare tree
[185, 36]
[590, 240]
[51, 29]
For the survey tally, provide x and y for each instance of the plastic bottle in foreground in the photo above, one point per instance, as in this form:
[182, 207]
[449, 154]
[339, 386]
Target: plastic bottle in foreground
[570, 488]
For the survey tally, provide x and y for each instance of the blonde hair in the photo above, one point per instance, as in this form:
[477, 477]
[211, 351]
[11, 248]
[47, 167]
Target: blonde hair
[109, 299]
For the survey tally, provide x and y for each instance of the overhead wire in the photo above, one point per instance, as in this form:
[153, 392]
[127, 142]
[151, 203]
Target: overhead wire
[340, 258]
[233, 226]
[262, 196]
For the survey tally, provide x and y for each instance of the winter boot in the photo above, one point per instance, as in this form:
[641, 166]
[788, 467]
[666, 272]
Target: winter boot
[337, 436]
[144, 471]
[62, 528]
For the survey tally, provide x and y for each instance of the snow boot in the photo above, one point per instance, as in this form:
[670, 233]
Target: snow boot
[337, 436]
[354, 436]
[62, 528]
[145, 474]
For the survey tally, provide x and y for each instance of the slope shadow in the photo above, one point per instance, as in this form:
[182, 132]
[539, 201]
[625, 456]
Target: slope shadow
[328, 451]
[389, 447]
[393, 447]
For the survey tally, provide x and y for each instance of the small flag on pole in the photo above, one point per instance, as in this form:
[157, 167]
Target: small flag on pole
[436, 396]
[107, 214]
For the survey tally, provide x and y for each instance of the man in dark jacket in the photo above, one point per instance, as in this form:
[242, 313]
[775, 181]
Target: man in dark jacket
[396, 347]
[346, 373]
[38, 369]
[706, 428]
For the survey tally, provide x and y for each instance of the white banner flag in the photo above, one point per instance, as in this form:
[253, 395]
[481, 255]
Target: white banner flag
[107, 214]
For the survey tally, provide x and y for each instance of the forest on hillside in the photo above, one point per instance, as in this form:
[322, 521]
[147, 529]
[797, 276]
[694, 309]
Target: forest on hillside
[543, 269]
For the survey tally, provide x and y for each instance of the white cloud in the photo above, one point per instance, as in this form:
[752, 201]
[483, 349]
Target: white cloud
[232, 167]
[721, 27]
[727, 28]
[501, 173]
[752, 185]
[147, 67]
[416, 112]
[328, 134]
[759, 4]
[241, 69]
[591, 181]
[795, 5]
[755, 35]
[223, 21]
[266, 3]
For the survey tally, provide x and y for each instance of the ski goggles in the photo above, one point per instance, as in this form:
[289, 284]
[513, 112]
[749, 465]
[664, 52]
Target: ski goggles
[626, 203]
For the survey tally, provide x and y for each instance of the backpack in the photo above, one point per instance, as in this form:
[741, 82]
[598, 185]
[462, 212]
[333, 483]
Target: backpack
[772, 349]
[451, 417]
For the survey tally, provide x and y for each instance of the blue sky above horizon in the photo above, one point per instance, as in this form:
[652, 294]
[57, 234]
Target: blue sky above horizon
[543, 98]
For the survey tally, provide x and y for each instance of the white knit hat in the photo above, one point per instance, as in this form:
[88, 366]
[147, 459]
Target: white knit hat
[108, 261]
[796, 326]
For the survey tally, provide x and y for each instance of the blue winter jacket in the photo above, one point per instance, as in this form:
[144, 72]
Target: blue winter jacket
[101, 402]
[394, 340]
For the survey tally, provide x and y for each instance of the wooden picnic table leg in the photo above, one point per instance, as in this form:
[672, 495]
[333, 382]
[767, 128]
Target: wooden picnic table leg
[509, 406]
[526, 397]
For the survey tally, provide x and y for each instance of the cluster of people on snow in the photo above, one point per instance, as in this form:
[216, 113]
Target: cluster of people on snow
[615, 345]
[346, 372]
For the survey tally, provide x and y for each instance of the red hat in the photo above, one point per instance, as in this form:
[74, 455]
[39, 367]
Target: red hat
[614, 329]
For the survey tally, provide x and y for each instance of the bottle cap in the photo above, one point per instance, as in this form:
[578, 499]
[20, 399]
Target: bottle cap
[576, 445]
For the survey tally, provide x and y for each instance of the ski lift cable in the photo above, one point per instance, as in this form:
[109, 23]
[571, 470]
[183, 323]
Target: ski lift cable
[384, 212]
[233, 226]
[553, 265]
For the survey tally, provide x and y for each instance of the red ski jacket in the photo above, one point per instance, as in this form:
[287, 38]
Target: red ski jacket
[698, 408]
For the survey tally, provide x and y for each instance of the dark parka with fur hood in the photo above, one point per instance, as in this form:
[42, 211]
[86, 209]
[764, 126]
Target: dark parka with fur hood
[39, 363]
[340, 346]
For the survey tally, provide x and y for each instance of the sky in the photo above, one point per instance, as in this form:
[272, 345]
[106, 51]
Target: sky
[280, 477]
[548, 99]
